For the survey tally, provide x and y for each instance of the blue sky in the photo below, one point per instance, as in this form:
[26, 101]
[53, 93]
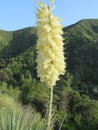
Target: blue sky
[17, 14]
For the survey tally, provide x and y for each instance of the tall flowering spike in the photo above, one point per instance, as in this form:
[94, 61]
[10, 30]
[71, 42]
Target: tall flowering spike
[50, 55]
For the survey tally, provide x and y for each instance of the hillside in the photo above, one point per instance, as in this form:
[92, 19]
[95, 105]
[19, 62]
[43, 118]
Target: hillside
[16, 42]
[17, 55]
[82, 51]
[75, 98]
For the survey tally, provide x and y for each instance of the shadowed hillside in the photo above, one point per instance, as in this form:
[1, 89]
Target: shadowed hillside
[17, 42]
[82, 54]
[18, 53]
[74, 103]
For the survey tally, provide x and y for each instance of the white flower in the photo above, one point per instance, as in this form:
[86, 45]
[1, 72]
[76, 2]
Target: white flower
[50, 55]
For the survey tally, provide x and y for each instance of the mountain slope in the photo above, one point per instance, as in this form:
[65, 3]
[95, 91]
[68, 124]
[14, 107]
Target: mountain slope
[18, 53]
[16, 42]
[82, 53]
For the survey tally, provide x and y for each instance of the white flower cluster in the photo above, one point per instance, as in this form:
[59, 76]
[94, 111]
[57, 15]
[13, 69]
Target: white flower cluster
[50, 57]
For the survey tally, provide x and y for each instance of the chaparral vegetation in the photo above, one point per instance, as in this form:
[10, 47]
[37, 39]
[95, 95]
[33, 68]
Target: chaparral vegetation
[23, 97]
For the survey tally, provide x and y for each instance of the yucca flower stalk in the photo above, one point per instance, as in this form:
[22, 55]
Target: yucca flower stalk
[50, 52]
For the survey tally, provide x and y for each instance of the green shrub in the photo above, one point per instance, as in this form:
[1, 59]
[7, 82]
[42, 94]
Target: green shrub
[10, 90]
[13, 116]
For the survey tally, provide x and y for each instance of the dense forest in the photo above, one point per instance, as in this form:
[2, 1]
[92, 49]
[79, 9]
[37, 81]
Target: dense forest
[75, 95]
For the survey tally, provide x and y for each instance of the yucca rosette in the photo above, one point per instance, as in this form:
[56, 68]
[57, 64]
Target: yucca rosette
[50, 53]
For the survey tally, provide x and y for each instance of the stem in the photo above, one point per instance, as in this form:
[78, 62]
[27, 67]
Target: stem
[50, 109]
[62, 123]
